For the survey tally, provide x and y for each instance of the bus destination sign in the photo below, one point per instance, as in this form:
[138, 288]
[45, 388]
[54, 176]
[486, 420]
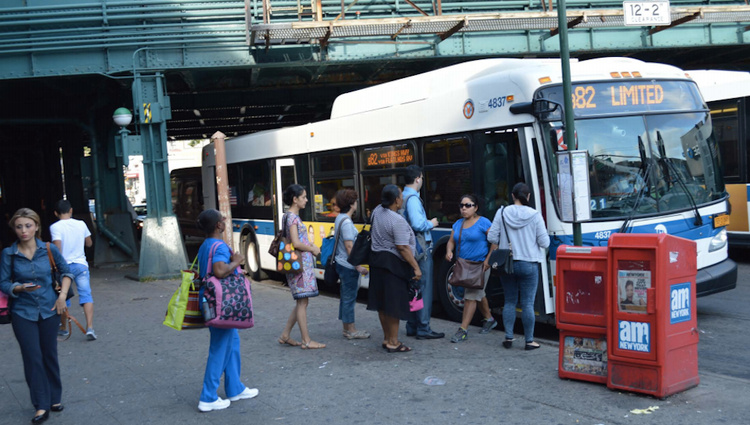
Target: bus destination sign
[388, 157]
[627, 97]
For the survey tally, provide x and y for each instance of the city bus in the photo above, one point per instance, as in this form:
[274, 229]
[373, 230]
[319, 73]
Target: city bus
[480, 127]
[728, 96]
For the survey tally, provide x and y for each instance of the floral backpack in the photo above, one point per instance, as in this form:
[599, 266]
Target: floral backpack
[229, 298]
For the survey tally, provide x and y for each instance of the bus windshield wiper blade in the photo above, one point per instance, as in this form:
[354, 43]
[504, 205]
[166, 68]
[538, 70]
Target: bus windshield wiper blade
[675, 173]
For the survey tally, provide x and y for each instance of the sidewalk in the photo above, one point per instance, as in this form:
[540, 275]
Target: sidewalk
[140, 371]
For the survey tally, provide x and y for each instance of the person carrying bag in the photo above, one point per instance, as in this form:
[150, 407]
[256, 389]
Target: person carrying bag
[471, 271]
[183, 310]
[525, 231]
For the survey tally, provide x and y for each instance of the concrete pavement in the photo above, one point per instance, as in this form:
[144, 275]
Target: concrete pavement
[140, 371]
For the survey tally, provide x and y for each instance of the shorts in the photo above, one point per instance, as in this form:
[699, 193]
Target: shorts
[83, 282]
[477, 294]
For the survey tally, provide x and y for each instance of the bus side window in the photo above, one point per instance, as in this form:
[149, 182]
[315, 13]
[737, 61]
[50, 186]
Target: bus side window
[726, 129]
[255, 192]
[447, 176]
[331, 172]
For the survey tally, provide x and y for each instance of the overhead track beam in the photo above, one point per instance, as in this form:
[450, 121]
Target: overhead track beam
[680, 21]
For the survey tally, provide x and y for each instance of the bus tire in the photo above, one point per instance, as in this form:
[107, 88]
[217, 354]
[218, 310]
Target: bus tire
[451, 298]
[252, 258]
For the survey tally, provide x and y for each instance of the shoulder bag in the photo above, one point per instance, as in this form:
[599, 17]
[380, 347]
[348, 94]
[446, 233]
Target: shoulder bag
[501, 260]
[55, 281]
[466, 273]
[288, 259]
[360, 253]
[5, 301]
[228, 301]
[331, 276]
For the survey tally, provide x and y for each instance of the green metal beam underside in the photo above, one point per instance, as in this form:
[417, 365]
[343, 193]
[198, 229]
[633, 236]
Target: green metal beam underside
[582, 41]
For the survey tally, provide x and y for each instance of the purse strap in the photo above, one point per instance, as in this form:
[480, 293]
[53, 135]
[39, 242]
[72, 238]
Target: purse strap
[52, 263]
[460, 232]
[502, 215]
[336, 239]
[209, 266]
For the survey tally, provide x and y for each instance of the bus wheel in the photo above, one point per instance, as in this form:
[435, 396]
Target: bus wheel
[252, 259]
[451, 298]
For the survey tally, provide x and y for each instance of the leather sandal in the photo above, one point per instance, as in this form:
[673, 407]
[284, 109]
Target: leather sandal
[289, 341]
[400, 349]
[308, 346]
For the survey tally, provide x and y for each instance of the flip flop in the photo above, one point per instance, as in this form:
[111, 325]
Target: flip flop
[400, 349]
[312, 347]
[289, 341]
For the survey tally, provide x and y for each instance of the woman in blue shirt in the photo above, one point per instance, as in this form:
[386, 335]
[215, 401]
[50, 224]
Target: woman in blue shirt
[472, 229]
[26, 277]
[224, 349]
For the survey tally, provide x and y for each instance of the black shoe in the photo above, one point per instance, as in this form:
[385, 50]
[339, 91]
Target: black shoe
[40, 418]
[411, 333]
[508, 343]
[57, 408]
[431, 335]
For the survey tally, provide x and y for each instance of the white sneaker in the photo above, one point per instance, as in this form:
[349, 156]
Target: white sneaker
[248, 393]
[216, 405]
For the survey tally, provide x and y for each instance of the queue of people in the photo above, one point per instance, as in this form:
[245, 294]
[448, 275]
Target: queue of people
[400, 266]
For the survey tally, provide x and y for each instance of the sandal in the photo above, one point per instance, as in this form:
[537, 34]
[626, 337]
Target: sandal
[532, 346]
[309, 346]
[400, 349]
[508, 343]
[289, 341]
[356, 335]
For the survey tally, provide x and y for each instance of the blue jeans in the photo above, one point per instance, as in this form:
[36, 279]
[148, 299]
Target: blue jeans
[525, 278]
[349, 287]
[223, 358]
[82, 282]
[419, 321]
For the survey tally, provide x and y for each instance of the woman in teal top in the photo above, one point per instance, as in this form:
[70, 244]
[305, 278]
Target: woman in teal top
[472, 229]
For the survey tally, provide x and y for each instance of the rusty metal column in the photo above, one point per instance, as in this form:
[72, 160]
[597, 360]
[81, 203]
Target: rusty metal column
[222, 185]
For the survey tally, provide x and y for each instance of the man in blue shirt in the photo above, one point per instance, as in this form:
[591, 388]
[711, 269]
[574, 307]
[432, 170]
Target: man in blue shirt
[419, 321]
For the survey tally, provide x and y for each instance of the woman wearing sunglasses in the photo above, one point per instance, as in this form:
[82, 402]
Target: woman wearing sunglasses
[472, 230]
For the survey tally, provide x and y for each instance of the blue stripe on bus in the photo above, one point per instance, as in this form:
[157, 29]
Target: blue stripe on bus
[264, 227]
[748, 191]
[683, 228]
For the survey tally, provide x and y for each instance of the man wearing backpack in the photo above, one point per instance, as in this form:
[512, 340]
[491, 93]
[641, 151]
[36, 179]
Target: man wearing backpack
[419, 321]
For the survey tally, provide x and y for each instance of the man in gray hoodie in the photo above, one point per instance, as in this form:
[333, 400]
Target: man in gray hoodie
[520, 228]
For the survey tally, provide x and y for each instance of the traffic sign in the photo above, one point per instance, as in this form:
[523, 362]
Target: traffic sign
[646, 13]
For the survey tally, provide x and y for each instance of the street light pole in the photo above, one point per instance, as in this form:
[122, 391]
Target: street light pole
[570, 128]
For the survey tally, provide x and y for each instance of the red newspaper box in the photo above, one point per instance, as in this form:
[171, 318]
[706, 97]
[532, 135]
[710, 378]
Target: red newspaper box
[583, 356]
[652, 314]
[581, 280]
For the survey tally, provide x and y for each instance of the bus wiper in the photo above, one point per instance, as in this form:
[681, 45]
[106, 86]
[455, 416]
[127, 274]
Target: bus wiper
[675, 173]
[639, 196]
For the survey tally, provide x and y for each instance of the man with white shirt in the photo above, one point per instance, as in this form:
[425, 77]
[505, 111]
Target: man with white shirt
[70, 236]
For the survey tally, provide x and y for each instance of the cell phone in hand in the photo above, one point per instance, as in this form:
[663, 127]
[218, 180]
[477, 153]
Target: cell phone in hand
[30, 285]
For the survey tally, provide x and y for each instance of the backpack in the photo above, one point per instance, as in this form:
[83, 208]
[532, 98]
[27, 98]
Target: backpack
[419, 236]
[5, 317]
[229, 298]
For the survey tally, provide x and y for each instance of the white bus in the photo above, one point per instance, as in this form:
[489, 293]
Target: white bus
[728, 96]
[473, 128]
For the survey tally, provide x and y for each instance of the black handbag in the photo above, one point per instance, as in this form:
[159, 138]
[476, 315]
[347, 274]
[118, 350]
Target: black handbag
[501, 260]
[360, 253]
[466, 273]
[331, 276]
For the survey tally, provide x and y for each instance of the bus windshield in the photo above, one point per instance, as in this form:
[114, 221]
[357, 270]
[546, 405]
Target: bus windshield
[645, 164]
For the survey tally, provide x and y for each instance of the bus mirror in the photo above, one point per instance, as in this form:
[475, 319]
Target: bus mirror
[522, 108]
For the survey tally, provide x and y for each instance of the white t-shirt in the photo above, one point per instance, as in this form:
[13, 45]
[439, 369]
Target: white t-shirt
[72, 235]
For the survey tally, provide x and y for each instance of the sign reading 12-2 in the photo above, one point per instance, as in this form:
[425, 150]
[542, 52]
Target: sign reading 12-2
[679, 307]
[634, 336]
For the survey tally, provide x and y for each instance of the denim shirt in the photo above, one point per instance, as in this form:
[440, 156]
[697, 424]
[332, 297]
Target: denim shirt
[40, 303]
[415, 214]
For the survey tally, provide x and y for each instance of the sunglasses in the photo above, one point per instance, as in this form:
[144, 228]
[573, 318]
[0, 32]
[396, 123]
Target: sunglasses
[467, 205]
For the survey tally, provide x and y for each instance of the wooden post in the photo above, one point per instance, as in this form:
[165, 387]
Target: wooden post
[222, 185]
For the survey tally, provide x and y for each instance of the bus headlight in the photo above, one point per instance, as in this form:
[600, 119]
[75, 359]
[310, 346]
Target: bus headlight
[719, 241]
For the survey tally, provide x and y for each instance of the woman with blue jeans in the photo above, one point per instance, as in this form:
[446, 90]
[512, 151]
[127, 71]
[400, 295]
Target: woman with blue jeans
[349, 275]
[224, 350]
[521, 229]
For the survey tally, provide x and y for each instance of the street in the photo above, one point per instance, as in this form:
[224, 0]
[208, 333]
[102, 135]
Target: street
[140, 371]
